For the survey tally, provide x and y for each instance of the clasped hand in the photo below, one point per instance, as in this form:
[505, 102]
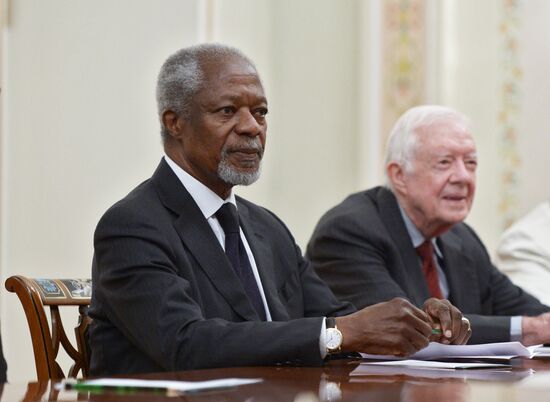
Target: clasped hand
[401, 329]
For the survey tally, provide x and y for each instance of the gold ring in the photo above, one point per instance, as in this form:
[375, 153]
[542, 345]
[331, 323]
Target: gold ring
[467, 321]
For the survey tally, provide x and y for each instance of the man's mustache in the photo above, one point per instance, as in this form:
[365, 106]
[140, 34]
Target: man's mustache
[250, 145]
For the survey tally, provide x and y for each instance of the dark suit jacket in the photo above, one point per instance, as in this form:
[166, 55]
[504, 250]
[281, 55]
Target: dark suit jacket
[3, 367]
[166, 298]
[362, 249]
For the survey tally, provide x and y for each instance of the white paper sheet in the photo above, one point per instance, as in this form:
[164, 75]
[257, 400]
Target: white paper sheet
[501, 350]
[368, 373]
[540, 351]
[411, 363]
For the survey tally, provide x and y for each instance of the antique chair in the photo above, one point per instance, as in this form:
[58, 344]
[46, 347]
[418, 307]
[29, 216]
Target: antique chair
[35, 295]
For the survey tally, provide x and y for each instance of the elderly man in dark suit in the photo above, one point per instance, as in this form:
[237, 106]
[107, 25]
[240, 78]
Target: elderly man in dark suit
[408, 239]
[187, 275]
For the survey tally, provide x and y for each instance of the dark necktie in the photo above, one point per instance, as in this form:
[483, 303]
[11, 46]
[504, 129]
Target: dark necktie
[236, 253]
[426, 252]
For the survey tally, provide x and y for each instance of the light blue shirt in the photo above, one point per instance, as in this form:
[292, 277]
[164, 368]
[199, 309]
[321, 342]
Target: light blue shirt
[417, 239]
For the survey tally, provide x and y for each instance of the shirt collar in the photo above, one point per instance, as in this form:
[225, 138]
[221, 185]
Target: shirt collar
[208, 201]
[416, 236]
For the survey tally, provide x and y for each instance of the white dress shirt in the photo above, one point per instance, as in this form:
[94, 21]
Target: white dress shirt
[209, 203]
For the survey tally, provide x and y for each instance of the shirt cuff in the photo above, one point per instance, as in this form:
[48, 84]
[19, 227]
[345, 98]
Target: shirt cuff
[515, 329]
[323, 339]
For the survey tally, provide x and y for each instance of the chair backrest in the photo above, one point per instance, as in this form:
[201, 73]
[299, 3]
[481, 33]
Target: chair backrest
[34, 295]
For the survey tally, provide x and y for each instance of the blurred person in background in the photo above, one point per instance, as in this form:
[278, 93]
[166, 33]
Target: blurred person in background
[524, 252]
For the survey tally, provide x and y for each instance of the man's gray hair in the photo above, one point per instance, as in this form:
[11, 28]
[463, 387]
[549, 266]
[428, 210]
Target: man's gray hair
[181, 77]
[403, 138]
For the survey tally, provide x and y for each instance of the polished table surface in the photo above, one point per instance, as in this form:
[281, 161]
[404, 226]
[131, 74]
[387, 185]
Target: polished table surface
[526, 380]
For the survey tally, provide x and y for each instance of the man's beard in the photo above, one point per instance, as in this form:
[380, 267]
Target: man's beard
[230, 175]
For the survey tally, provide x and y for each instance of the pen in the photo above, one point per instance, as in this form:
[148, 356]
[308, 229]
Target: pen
[168, 388]
[83, 387]
[97, 389]
[436, 331]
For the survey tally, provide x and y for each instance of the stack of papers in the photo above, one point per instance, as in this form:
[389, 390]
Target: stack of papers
[501, 350]
[437, 365]
[366, 371]
[465, 362]
[539, 351]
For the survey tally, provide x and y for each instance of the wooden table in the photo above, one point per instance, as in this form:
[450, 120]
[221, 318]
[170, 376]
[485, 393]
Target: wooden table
[332, 382]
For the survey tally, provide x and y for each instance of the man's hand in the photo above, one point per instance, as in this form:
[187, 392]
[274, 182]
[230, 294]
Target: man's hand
[535, 330]
[455, 329]
[390, 328]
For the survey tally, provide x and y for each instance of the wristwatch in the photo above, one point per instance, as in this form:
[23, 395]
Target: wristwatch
[333, 336]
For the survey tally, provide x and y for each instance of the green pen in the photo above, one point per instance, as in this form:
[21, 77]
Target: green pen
[436, 331]
[121, 390]
[76, 386]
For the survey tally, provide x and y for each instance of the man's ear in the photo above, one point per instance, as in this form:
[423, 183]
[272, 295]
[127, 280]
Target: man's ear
[396, 175]
[173, 123]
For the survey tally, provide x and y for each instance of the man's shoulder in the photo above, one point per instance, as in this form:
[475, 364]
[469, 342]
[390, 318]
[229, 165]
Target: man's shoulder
[360, 215]
[139, 202]
[362, 203]
[148, 195]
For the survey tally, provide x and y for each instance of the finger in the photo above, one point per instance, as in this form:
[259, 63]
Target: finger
[411, 341]
[439, 311]
[404, 349]
[457, 325]
[419, 341]
[463, 338]
[421, 325]
[470, 330]
[420, 314]
[395, 344]
[416, 328]
[465, 332]
[415, 317]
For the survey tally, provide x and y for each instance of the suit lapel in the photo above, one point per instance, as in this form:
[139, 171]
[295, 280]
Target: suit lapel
[410, 277]
[263, 256]
[460, 272]
[197, 235]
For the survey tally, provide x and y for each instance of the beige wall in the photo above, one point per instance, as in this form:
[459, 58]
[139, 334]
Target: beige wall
[79, 128]
[469, 63]
[312, 110]
[79, 131]
[494, 67]
[534, 123]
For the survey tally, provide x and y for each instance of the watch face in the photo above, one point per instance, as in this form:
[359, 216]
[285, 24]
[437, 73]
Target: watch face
[334, 339]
